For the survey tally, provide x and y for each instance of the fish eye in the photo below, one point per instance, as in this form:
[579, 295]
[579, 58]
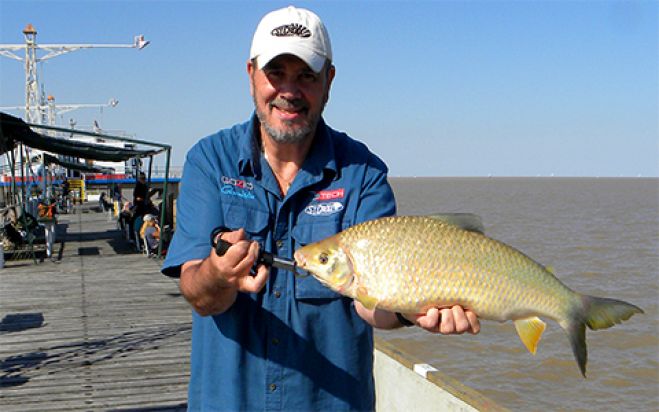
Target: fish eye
[323, 258]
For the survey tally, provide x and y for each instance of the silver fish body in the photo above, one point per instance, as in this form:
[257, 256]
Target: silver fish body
[412, 263]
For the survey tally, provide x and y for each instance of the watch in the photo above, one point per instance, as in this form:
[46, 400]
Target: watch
[403, 320]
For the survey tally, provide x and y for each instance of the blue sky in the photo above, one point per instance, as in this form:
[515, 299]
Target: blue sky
[436, 88]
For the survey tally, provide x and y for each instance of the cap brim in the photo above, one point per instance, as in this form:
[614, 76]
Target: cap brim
[314, 60]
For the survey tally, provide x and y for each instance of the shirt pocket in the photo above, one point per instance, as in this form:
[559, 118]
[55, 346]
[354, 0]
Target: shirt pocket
[255, 222]
[304, 234]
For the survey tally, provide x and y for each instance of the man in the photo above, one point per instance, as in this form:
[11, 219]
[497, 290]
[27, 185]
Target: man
[140, 194]
[270, 340]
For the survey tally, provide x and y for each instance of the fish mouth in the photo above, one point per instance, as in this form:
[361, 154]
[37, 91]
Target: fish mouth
[300, 265]
[300, 260]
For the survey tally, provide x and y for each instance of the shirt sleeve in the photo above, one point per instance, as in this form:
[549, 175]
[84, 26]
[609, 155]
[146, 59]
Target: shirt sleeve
[198, 210]
[377, 197]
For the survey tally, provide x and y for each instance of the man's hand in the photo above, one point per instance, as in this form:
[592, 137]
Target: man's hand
[232, 270]
[447, 321]
[212, 285]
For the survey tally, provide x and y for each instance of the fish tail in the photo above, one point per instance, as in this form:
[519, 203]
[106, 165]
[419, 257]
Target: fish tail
[597, 313]
[602, 313]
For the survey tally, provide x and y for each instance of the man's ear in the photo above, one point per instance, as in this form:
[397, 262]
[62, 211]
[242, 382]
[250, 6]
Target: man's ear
[330, 77]
[251, 67]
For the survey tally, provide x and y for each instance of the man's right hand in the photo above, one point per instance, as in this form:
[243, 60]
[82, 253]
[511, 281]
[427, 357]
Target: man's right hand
[211, 285]
[233, 268]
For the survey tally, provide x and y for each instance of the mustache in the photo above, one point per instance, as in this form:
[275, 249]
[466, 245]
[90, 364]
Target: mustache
[286, 104]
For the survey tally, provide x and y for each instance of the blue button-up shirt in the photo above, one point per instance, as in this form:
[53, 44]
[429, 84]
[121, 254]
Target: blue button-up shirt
[296, 345]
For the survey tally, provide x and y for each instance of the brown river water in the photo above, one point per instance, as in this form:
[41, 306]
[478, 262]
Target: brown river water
[601, 236]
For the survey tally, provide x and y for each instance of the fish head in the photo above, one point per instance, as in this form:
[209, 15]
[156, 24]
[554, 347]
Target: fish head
[327, 262]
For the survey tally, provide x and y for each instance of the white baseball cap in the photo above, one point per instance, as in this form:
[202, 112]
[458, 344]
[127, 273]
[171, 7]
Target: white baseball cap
[291, 31]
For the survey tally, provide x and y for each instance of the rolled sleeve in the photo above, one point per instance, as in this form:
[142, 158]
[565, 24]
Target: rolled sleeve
[197, 210]
[377, 197]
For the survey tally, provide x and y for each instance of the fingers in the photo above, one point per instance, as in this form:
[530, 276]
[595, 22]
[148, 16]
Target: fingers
[430, 320]
[254, 284]
[460, 319]
[447, 323]
[474, 323]
[242, 256]
[232, 269]
[235, 236]
[453, 320]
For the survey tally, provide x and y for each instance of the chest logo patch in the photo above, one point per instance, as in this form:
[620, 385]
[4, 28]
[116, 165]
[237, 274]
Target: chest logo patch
[239, 183]
[329, 194]
[323, 209]
[237, 187]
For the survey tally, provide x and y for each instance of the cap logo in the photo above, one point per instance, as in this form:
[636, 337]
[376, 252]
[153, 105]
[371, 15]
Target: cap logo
[291, 30]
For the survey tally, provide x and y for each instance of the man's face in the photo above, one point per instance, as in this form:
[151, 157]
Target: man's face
[289, 97]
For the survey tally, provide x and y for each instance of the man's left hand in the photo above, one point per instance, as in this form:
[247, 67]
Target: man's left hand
[448, 321]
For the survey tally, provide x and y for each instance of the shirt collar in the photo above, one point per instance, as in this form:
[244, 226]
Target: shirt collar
[249, 151]
[321, 156]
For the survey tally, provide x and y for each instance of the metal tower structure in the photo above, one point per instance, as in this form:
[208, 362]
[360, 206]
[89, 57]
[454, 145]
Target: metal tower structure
[53, 109]
[35, 108]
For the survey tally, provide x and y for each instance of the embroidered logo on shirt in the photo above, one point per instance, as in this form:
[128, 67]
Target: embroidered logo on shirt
[239, 183]
[237, 187]
[323, 209]
[329, 194]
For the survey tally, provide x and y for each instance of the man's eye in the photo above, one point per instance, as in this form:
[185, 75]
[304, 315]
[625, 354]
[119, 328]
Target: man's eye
[308, 77]
[323, 258]
[274, 73]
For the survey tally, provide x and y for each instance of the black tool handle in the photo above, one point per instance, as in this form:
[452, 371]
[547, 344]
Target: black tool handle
[221, 246]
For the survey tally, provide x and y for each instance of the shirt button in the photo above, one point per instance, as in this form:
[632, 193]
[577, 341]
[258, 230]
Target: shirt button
[275, 341]
[272, 387]
[277, 294]
[280, 244]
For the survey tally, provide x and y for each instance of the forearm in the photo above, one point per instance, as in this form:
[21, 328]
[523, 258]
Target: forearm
[202, 290]
[377, 318]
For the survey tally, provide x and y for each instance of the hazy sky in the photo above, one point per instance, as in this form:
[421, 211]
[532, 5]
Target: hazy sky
[436, 88]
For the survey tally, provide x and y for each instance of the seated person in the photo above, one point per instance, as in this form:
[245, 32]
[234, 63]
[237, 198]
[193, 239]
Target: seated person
[151, 232]
[104, 204]
[126, 216]
[47, 210]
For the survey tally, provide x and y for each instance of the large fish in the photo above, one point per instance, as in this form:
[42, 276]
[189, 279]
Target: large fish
[412, 263]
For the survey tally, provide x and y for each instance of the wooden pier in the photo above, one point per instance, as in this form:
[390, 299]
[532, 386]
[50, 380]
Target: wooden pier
[96, 328]
[100, 329]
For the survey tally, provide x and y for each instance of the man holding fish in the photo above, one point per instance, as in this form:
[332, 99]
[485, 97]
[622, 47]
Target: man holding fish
[264, 338]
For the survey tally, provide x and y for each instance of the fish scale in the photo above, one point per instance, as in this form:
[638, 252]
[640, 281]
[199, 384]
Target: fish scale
[410, 264]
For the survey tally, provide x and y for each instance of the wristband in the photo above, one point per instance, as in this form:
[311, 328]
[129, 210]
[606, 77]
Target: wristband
[403, 320]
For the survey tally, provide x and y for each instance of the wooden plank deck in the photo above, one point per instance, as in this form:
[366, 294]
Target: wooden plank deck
[99, 329]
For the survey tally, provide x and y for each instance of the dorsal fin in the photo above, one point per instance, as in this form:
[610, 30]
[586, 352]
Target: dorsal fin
[466, 221]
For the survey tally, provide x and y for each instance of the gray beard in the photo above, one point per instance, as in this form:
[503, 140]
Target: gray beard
[288, 136]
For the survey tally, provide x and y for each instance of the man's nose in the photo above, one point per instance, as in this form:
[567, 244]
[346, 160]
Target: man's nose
[290, 89]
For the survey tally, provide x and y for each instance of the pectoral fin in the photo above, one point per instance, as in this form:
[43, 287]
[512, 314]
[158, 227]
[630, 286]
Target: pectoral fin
[362, 296]
[530, 331]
